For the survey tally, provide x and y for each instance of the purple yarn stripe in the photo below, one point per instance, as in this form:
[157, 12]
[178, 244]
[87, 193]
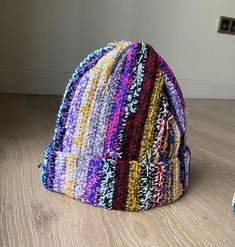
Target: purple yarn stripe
[93, 180]
[60, 164]
[74, 108]
[44, 167]
[50, 168]
[185, 167]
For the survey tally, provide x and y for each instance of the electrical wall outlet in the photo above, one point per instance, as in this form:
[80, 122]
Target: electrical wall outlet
[226, 25]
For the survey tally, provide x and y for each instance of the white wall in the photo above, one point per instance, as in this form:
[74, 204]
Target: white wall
[43, 41]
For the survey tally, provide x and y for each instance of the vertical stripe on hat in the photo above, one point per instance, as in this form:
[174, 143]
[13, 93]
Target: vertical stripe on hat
[81, 177]
[148, 172]
[133, 196]
[93, 180]
[107, 183]
[60, 165]
[146, 188]
[160, 172]
[177, 188]
[69, 175]
[121, 185]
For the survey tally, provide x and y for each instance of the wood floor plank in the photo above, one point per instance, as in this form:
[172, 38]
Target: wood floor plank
[33, 216]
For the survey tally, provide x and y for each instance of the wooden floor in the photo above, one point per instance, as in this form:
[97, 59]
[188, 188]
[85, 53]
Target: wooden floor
[33, 216]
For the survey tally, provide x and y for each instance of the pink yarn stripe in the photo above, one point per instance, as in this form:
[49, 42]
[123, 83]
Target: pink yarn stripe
[121, 94]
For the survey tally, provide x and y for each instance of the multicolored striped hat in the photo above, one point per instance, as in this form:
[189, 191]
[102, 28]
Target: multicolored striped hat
[120, 140]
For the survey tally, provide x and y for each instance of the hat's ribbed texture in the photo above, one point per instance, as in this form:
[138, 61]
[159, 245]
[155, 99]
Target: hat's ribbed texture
[120, 140]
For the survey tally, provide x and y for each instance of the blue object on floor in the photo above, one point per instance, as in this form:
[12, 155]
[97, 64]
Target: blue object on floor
[233, 203]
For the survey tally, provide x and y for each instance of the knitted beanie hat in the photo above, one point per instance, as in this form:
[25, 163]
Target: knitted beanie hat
[119, 140]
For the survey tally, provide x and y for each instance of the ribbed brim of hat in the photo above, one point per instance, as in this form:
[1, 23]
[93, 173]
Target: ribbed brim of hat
[92, 179]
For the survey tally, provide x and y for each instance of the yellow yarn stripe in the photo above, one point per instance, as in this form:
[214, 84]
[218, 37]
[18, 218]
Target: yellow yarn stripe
[70, 174]
[169, 194]
[176, 180]
[177, 186]
[132, 202]
[147, 139]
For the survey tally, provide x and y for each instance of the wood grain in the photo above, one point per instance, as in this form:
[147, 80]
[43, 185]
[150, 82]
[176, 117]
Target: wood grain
[34, 216]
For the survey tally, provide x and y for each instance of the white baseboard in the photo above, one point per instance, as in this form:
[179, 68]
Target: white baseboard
[54, 83]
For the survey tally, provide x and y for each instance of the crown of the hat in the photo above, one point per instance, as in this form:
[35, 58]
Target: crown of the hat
[119, 131]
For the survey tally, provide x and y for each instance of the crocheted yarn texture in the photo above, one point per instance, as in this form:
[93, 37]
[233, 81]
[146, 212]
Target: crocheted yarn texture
[120, 140]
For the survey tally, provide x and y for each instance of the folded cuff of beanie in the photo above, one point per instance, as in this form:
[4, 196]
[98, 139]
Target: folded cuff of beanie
[103, 181]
